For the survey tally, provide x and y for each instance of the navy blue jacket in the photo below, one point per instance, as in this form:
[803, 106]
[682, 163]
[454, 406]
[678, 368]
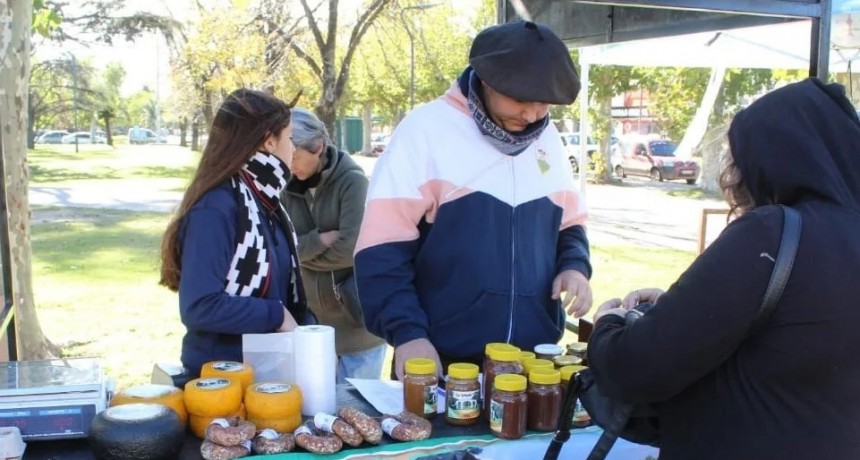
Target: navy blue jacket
[215, 320]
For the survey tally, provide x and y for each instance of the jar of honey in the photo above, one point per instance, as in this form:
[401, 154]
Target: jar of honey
[544, 399]
[532, 363]
[503, 360]
[566, 360]
[581, 419]
[526, 354]
[509, 406]
[419, 387]
[548, 351]
[463, 395]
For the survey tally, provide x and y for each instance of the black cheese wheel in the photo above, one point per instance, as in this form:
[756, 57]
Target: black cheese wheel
[142, 431]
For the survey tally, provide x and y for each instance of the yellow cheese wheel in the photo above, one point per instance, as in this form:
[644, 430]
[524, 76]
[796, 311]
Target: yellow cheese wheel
[273, 401]
[284, 425]
[231, 370]
[198, 424]
[213, 397]
[167, 395]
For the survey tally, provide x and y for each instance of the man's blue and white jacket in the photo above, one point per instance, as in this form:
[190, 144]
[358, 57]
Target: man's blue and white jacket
[460, 243]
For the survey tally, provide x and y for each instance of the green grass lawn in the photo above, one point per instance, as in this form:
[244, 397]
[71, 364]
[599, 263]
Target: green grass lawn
[95, 271]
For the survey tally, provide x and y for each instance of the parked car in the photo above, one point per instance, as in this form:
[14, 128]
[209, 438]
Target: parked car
[378, 142]
[145, 136]
[52, 137]
[655, 158]
[571, 144]
[83, 138]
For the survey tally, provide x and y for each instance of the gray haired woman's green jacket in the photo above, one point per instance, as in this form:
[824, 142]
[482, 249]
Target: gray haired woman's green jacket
[336, 204]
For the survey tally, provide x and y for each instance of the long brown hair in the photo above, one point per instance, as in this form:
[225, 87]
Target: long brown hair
[734, 190]
[242, 124]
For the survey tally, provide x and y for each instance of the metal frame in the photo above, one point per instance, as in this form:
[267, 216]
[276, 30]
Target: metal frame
[818, 11]
[7, 310]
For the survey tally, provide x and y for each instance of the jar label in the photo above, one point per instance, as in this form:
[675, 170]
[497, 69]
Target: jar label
[497, 414]
[580, 416]
[464, 405]
[430, 399]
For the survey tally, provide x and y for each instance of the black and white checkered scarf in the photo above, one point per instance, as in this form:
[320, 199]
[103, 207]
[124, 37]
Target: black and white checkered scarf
[260, 182]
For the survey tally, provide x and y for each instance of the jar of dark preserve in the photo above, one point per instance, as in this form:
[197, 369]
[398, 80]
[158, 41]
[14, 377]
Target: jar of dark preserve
[503, 360]
[548, 351]
[509, 406]
[419, 387]
[580, 417]
[463, 395]
[544, 398]
[533, 363]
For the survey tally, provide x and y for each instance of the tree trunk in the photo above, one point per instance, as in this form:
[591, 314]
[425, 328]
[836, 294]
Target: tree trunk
[183, 131]
[328, 114]
[367, 125]
[195, 136]
[108, 132]
[714, 146]
[31, 122]
[15, 20]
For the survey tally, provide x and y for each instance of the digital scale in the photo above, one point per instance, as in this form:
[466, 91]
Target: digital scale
[52, 399]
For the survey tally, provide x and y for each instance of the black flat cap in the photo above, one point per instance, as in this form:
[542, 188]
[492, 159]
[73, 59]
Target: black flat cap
[525, 61]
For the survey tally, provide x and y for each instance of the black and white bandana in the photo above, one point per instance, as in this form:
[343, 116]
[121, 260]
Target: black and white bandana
[260, 182]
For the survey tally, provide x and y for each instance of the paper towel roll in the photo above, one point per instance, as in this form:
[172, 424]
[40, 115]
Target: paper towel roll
[316, 366]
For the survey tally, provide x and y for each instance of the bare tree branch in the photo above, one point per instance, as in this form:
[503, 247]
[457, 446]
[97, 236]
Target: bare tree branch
[315, 68]
[361, 26]
[312, 23]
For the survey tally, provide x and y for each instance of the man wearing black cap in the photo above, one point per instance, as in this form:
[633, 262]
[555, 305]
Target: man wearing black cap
[474, 227]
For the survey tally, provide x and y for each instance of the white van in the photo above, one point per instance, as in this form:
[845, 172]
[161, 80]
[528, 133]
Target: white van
[144, 136]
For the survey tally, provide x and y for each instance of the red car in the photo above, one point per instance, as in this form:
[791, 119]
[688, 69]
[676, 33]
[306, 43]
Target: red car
[655, 159]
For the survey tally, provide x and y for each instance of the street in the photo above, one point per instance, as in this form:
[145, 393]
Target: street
[637, 212]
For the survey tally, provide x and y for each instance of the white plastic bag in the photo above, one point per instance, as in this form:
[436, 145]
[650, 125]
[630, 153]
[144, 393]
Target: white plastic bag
[271, 356]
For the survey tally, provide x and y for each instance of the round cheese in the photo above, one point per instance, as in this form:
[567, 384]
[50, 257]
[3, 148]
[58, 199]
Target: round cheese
[273, 401]
[170, 396]
[229, 369]
[213, 397]
[138, 431]
[281, 425]
[198, 424]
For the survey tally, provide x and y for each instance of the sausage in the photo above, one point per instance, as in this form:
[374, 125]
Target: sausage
[407, 426]
[211, 451]
[317, 441]
[333, 424]
[369, 428]
[229, 432]
[271, 442]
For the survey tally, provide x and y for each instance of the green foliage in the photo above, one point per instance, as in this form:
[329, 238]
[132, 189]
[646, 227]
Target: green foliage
[45, 19]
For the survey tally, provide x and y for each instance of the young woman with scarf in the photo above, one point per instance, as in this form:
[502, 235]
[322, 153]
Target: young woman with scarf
[230, 250]
[325, 198]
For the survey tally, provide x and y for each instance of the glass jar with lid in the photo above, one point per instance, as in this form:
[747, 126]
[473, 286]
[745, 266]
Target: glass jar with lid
[548, 351]
[419, 387]
[544, 399]
[532, 363]
[508, 406]
[581, 419]
[463, 395]
[503, 360]
[566, 360]
[580, 350]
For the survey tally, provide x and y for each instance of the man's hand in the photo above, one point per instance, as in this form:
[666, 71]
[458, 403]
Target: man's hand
[328, 238]
[577, 298]
[638, 296]
[418, 348]
[610, 307]
[289, 322]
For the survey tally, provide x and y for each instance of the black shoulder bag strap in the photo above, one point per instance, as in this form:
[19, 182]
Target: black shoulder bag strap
[782, 267]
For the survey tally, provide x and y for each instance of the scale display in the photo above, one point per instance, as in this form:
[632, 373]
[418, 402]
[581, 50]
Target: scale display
[51, 422]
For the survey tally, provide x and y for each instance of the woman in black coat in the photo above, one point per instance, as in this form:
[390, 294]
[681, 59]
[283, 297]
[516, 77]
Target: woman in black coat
[790, 388]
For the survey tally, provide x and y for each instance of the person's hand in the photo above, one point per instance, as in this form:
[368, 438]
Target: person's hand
[328, 238]
[289, 322]
[610, 307]
[418, 348]
[577, 298]
[638, 296]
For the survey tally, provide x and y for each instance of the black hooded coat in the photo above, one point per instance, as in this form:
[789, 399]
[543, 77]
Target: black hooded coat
[791, 388]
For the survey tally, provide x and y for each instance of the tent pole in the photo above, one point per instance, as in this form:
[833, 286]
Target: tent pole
[819, 53]
[584, 129]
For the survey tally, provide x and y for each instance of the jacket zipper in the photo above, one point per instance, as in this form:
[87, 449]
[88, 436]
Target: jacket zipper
[513, 250]
[272, 227]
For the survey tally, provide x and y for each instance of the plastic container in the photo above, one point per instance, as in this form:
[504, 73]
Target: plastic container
[463, 395]
[509, 406]
[548, 351]
[419, 387]
[503, 360]
[544, 399]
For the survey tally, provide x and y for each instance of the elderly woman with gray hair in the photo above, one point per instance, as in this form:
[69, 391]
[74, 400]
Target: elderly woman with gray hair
[325, 199]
